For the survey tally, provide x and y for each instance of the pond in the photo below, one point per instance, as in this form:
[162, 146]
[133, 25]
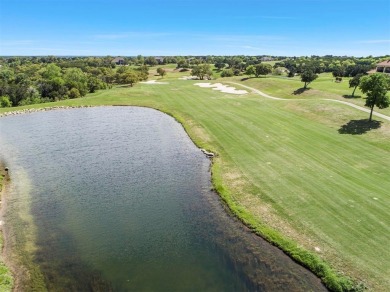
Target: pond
[120, 199]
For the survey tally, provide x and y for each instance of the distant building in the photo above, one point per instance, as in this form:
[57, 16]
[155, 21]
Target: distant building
[118, 61]
[160, 60]
[382, 67]
[266, 59]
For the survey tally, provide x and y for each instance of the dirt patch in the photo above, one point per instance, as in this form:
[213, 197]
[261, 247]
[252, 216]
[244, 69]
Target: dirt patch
[198, 132]
[264, 212]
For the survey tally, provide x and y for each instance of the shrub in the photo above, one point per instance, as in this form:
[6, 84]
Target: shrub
[4, 101]
[227, 73]
[237, 72]
[74, 93]
[277, 71]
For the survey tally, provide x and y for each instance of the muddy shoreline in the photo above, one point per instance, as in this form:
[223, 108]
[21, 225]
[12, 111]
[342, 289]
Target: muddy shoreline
[5, 252]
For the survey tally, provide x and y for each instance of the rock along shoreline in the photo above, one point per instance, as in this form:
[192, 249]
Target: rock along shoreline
[43, 109]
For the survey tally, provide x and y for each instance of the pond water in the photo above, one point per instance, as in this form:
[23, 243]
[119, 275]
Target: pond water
[119, 199]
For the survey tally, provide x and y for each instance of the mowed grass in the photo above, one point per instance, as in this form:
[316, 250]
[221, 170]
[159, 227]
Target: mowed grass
[285, 164]
[323, 87]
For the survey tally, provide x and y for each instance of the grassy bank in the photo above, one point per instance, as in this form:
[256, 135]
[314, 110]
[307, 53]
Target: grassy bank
[292, 170]
[6, 278]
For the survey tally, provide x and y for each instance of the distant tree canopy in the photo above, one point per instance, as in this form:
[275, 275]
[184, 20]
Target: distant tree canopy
[220, 65]
[127, 75]
[28, 80]
[182, 63]
[376, 87]
[151, 61]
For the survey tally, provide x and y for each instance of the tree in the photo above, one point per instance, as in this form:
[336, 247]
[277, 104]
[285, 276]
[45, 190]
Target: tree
[354, 70]
[291, 72]
[129, 77]
[75, 78]
[376, 87]
[161, 72]
[143, 72]
[219, 65]
[32, 97]
[140, 60]
[51, 71]
[182, 63]
[250, 70]
[54, 89]
[354, 82]
[308, 76]
[108, 75]
[202, 71]
[262, 69]
[151, 61]
[95, 83]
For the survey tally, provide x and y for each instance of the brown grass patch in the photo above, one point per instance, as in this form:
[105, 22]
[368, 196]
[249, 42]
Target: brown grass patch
[239, 186]
[198, 132]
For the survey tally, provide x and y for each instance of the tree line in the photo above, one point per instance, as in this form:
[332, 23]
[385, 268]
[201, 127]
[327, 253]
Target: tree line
[30, 80]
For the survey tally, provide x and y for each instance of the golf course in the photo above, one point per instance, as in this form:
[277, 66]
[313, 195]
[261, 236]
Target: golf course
[308, 174]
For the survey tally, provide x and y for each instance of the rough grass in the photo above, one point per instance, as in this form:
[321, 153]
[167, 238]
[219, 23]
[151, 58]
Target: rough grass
[6, 278]
[284, 168]
[323, 87]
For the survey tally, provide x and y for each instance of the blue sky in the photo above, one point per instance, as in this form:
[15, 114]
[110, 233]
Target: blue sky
[183, 27]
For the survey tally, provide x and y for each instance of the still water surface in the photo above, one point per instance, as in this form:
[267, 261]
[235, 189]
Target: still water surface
[120, 200]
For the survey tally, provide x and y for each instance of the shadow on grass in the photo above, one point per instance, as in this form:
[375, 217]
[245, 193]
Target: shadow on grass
[247, 78]
[350, 96]
[359, 127]
[300, 91]
[125, 85]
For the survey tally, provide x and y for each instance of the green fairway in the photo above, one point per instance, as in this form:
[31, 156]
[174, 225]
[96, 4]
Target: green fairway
[288, 164]
[323, 87]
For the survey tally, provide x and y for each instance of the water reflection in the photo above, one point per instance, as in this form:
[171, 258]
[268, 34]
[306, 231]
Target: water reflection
[121, 200]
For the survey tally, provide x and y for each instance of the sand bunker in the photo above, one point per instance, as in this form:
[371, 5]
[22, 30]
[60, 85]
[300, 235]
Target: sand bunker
[222, 88]
[189, 78]
[153, 82]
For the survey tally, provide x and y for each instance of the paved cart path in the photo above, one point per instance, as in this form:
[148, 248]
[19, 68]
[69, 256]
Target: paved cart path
[333, 100]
